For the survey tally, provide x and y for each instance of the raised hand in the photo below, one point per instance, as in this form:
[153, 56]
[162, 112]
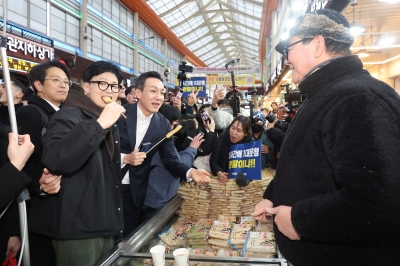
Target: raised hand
[110, 115]
[19, 153]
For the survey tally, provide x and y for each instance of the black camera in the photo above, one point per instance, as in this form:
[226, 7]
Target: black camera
[184, 69]
[282, 125]
[271, 117]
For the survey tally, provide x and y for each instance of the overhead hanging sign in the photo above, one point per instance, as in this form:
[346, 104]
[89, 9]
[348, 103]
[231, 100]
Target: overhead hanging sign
[254, 69]
[247, 80]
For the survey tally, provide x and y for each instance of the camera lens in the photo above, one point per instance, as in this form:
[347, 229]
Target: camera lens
[271, 117]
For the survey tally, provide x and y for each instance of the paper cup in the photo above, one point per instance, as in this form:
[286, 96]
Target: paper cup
[181, 256]
[158, 255]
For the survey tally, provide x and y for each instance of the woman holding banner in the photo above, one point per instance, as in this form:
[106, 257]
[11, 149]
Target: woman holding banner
[238, 132]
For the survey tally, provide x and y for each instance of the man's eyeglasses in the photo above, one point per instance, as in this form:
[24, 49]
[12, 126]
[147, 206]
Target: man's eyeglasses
[104, 85]
[286, 49]
[59, 82]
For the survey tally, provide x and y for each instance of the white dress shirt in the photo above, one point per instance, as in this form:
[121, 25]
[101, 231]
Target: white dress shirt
[52, 105]
[142, 124]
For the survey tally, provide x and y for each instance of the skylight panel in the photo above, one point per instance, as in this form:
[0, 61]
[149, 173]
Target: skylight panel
[212, 53]
[207, 48]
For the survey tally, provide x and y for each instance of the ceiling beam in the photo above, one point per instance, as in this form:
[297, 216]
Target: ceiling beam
[175, 8]
[237, 11]
[242, 34]
[253, 3]
[216, 34]
[215, 40]
[197, 13]
[150, 18]
[216, 60]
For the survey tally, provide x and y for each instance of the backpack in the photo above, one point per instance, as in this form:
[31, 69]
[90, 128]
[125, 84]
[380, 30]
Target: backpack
[45, 118]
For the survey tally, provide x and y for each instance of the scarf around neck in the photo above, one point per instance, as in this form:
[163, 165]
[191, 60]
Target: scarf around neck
[76, 99]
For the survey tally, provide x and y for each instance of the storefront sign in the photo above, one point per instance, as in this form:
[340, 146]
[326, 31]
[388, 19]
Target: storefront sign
[18, 45]
[27, 45]
[226, 80]
[18, 65]
[254, 69]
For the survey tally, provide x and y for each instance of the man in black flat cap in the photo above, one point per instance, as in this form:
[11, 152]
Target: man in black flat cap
[336, 193]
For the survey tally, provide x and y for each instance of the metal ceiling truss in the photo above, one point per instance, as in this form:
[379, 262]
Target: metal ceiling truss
[218, 22]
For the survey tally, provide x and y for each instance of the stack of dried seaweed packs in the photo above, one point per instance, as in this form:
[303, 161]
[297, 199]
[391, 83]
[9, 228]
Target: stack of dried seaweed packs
[226, 199]
[175, 236]
[238, 235]
[253, 194]
[197, 201]
[220, 232]
[260, 245]
[198, 234]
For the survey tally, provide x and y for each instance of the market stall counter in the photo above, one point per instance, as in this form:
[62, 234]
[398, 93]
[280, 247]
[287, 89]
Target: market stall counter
[232, 238]
[135, 251]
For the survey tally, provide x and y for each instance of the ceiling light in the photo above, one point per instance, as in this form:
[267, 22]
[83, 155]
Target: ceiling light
[355, 29]
[387, 40]
[362, 53]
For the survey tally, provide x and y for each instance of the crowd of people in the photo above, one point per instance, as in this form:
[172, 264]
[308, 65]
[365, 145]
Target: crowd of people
[91, 184]
[335, 197]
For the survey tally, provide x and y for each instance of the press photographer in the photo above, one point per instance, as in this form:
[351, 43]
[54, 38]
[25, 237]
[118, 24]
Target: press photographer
[276, 129]
[259, 133]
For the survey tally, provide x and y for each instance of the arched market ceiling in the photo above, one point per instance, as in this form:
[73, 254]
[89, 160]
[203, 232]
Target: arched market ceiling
[214, 30]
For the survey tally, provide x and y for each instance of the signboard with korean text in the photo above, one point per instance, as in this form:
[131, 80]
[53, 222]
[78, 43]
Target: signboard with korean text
[26, 48]
[19, 65]
[245, 158]
[19, 47]
[253, 69]
[194, 84]
[226, 80]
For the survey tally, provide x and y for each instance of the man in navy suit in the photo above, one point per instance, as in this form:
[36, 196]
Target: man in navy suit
[144, 124]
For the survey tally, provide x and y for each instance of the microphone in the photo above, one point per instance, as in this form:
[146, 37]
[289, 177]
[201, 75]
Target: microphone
[230, 63]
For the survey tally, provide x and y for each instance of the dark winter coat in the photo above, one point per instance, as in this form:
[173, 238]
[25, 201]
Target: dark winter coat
[89, 203]
[339, 170]
[29, 121]
[219, 159]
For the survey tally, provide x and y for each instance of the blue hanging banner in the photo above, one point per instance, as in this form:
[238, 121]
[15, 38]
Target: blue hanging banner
[195, 84]
[245, 158]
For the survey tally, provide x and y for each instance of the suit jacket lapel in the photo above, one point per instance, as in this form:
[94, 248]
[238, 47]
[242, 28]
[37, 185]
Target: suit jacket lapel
[131, 122]
[153, 128]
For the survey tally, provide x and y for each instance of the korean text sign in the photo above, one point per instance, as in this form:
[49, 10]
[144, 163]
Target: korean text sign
[245, 158]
